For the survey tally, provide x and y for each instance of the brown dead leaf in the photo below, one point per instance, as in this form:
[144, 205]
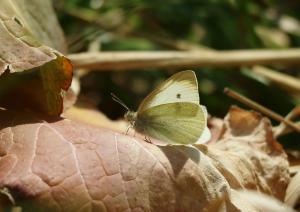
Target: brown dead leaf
[252, 128]
[252, 158]
[25, 34]
[247, 200]
[292, 197]
[63, 165]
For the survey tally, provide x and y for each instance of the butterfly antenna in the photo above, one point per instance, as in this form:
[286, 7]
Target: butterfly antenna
[117, 99]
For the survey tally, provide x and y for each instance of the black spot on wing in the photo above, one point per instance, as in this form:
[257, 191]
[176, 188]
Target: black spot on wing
[178, 96]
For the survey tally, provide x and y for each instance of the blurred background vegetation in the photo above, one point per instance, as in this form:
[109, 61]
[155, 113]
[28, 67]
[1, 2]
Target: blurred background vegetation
[117, 25]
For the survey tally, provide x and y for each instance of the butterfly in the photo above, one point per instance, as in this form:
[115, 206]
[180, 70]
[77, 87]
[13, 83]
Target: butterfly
[172, 113]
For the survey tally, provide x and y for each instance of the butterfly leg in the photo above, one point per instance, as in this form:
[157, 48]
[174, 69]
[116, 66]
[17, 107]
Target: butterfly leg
[131, 125]
[148, 140]
[127, 130]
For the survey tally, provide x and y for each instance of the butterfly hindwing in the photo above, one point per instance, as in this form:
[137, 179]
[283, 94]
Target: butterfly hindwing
[175, 123]
[181, 87]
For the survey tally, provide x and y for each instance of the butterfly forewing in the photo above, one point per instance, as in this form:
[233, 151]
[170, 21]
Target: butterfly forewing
[181, 87]
[175, 123]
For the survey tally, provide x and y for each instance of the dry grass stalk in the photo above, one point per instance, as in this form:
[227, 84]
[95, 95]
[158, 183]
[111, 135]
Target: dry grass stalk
[129, 60]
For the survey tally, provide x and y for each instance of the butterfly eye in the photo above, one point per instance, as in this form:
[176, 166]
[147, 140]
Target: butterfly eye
[178, 96]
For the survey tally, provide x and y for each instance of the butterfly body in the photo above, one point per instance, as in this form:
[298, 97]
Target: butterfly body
[172, 113]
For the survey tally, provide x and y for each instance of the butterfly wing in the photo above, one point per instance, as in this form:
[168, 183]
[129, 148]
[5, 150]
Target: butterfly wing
[181, 87]
[174, 123]
[205, 135]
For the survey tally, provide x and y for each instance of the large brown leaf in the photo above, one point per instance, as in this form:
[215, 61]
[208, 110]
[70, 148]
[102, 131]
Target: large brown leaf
[62, 165]
[32, 74]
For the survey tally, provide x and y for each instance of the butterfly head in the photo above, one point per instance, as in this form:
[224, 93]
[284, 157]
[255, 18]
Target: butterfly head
[130, 116]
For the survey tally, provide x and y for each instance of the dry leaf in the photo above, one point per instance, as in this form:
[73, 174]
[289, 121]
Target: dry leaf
[247, 200]
[27, 33]
[253, 159]
[24, 33]
[292, 197]
[63, 165]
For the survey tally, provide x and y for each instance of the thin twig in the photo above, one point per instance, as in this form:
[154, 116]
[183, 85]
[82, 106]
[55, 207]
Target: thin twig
[129, 60]
[284, 80]
[261, 108]
[283, 129]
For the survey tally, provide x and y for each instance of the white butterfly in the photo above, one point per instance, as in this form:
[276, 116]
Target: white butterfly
[172, 113]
